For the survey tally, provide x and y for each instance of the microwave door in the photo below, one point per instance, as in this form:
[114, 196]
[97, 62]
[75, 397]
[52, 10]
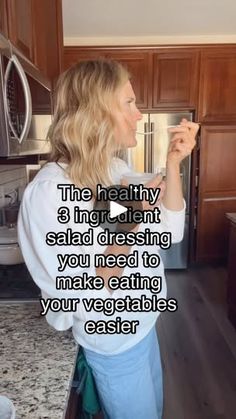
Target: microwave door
[27, 99]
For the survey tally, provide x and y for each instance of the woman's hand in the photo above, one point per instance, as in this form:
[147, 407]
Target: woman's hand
[182, 142]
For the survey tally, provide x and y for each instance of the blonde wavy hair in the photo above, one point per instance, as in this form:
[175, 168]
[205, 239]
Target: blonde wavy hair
[82, 131]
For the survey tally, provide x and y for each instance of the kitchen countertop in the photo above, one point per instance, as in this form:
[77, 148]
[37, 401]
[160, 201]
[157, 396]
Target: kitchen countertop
[231, 216]
[36, 362]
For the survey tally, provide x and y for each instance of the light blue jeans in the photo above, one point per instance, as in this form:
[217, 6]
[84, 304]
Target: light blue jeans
[130, 384]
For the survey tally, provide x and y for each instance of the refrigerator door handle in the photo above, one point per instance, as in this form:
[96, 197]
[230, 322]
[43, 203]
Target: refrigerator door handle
[146, 148]
[151, 150]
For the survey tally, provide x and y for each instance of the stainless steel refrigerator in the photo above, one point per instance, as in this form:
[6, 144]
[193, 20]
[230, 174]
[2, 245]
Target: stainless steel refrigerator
[150, 156]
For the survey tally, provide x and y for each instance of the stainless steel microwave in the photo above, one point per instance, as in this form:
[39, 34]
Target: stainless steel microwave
[25, 105]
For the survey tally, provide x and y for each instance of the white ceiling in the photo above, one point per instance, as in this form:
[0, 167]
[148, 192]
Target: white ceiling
[104, 22]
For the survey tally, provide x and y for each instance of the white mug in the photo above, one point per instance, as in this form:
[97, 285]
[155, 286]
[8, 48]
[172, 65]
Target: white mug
[137, 178]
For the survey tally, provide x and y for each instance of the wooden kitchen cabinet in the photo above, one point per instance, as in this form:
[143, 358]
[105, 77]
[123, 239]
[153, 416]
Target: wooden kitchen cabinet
[162, 79]
[74, 405]
[217, 191]
[3, 18]
[212, 229]
[35, 29]
[137, 63]
[20, 27]
[217, 92]
[73, 55]
[48, 34]
[175, 79]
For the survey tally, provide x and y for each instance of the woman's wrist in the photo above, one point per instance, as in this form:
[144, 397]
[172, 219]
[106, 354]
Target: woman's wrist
[172, 166]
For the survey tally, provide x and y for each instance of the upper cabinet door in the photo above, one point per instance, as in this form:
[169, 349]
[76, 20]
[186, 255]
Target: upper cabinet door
[217, 100]
[3, 18]
[175, 78]
[20, 26]
[217, 190]
[48, 35]
[35, 28]
[137, 63]
[73, 55]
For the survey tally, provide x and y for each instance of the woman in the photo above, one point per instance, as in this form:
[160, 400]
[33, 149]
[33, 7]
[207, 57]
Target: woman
[95, 119]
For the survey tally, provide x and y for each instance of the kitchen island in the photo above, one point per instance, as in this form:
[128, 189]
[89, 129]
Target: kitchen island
[36, 362]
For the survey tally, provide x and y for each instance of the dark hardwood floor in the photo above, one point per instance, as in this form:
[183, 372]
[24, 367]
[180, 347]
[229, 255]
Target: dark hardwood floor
[198, 347]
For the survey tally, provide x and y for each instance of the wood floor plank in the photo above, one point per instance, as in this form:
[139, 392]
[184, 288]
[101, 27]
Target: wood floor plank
[211, 284]
[198, 347]
[199, 365]
[172, 405]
